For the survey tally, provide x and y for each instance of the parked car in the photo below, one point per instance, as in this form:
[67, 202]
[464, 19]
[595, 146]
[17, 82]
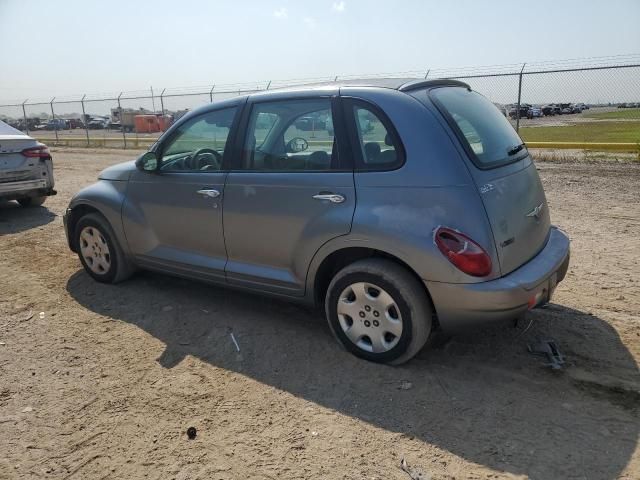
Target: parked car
[567, 110]
[392, 246]
[549, 110]
[534, 112]
[309, 123]
[74, 123]
[26, 168]
[576, 109]
[56, 124]
[524, 111]
[98, 123]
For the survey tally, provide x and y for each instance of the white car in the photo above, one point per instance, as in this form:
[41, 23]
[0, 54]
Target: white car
[535, 112]
[26, 168]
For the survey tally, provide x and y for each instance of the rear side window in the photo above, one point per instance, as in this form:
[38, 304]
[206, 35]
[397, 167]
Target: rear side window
[487, 133]
[378, 143]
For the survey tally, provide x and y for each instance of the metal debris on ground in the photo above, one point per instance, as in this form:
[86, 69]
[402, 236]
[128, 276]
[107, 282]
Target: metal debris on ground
[235, 342]
[191, 433]
[406, 385]
[549, 349]
[413, 473]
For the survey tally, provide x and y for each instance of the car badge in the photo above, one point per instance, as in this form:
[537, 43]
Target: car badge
[536, 212]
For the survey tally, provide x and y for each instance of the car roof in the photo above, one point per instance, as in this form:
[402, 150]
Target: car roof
[327, 88]
[401, 84]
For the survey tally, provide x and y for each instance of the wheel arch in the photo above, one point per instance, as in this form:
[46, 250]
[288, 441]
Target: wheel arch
[340, 257]
[106, 199]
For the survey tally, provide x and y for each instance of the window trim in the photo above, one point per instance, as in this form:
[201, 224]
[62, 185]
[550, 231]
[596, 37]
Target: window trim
[349, 105]
[228, 147]
[345, 163]
[459, 134]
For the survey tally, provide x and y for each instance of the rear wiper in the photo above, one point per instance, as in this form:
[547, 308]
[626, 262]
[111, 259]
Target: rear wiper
[516, 149]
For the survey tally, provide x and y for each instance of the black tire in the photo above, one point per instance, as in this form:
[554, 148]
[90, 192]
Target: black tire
[31, 201]
[406, 291]
[120, 267]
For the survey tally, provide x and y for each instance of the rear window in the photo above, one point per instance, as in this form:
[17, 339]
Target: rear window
[487, 132]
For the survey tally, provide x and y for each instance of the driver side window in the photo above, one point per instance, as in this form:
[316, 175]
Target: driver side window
[291, 135]
[199, 144]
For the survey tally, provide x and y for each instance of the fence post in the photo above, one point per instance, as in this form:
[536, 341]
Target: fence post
[124, 135]
[53, 116]
[153, 100]
[84, 120]
[24, 116]
[427, 74]
[519, 97]
[268, 85]
[162, 101]
[211, 93]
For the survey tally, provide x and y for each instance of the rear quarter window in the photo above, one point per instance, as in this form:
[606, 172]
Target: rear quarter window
[485, 131]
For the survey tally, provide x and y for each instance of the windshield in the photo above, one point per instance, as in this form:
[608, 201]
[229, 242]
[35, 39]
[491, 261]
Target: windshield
[488, 133]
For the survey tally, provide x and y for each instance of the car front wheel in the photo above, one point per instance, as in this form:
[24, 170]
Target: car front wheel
[379, 311]
[99, 251]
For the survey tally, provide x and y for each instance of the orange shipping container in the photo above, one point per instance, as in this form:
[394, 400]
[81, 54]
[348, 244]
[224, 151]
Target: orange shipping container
[146, 123]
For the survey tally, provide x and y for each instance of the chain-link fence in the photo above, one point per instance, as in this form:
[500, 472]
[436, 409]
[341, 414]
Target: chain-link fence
[584, 104]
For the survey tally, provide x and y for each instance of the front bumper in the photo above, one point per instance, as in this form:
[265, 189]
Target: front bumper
[459, 306]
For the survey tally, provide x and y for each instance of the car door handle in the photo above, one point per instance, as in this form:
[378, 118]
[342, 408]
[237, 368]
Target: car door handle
[209, 192]
[332, 197]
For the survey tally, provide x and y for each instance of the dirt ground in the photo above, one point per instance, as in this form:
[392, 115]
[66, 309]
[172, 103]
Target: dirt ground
[101, 381]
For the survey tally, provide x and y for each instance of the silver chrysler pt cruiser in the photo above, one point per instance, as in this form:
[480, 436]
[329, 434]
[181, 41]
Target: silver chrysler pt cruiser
[400, 206]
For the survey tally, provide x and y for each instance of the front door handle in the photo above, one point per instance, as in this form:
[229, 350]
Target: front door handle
[209, 192]
[332, 197]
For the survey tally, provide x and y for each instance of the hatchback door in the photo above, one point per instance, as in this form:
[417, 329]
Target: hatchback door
[173, 216]
[504, 173]
[291, 191]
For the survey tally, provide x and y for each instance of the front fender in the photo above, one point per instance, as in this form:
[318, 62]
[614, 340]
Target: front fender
[105, 197]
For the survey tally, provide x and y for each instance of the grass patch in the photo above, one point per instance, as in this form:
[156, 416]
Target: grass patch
[619, 114]
[613, 132]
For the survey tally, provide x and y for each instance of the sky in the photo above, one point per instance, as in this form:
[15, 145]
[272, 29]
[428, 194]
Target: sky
[68, 47]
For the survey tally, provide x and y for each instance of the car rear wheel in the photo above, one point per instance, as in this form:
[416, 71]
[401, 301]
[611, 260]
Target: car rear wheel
[32, 201]
[379, 311]
[99, 251]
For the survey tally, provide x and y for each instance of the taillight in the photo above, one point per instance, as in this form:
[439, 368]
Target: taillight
[463, 252]
[41, 151]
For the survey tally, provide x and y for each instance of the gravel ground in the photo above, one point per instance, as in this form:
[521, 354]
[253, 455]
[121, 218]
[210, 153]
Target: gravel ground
[100, 381]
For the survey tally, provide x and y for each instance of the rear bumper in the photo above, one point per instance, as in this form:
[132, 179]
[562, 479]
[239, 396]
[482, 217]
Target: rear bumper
[26, 188]
[463, 305]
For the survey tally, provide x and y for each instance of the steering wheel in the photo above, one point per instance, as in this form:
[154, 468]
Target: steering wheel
[204, 163]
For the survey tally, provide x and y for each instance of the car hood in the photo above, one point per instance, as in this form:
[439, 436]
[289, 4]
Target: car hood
[120, 172]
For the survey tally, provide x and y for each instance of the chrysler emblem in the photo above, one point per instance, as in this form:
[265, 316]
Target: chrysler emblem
[536, 212]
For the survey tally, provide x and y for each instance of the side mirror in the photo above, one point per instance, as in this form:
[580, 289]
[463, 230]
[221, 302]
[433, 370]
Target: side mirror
[148, 162]
[297, 145]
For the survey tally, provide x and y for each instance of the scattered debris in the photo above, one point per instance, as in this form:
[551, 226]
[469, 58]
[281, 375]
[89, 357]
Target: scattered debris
[191, 433]
[27, 409]
[41, 315]
[413, 473]
[549, 349]
[28, 317]
[2, 343]
[405, 385]
[167, 308]
[234, 341]
[314, 434]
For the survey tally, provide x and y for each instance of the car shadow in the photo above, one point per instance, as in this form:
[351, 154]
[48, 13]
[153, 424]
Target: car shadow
[482, 396]
[15, 219]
